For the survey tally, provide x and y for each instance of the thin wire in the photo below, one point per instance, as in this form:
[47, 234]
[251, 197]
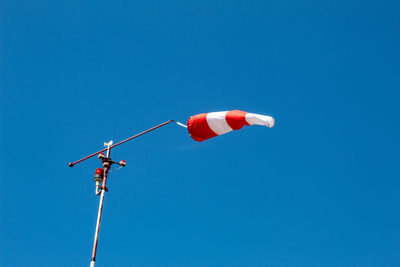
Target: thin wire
[115, 169]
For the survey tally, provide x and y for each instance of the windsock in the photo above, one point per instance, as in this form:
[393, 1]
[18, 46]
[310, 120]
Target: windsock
[207, 125]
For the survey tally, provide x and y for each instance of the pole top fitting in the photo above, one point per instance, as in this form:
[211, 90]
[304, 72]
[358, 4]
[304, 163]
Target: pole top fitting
[108, 144]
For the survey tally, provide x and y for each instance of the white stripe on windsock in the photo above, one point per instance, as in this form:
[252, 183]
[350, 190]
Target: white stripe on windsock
[217, 122]
[258, 119]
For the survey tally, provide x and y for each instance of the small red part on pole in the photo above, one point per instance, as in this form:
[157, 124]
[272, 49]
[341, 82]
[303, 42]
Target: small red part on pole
[99, 171]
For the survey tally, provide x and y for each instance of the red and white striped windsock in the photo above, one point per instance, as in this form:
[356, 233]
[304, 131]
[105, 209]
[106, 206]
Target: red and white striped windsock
[207, 125]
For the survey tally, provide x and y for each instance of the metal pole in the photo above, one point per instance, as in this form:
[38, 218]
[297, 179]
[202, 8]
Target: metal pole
[107, 162]
[71, 164]
[106, 166]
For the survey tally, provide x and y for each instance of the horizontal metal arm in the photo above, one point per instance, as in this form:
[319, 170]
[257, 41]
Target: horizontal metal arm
[71, 164]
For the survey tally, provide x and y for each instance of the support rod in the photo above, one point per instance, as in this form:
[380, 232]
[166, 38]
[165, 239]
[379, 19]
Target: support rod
[106, 166]
[71, 164]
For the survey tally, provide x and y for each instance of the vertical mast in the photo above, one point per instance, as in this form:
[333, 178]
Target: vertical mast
[101, 178]
[106, 166]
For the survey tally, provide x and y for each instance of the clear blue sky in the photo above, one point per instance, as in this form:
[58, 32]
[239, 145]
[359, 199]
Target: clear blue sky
[321, 189]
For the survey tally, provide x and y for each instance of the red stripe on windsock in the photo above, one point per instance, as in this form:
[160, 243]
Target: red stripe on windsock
[198, 127]
[236, 119]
